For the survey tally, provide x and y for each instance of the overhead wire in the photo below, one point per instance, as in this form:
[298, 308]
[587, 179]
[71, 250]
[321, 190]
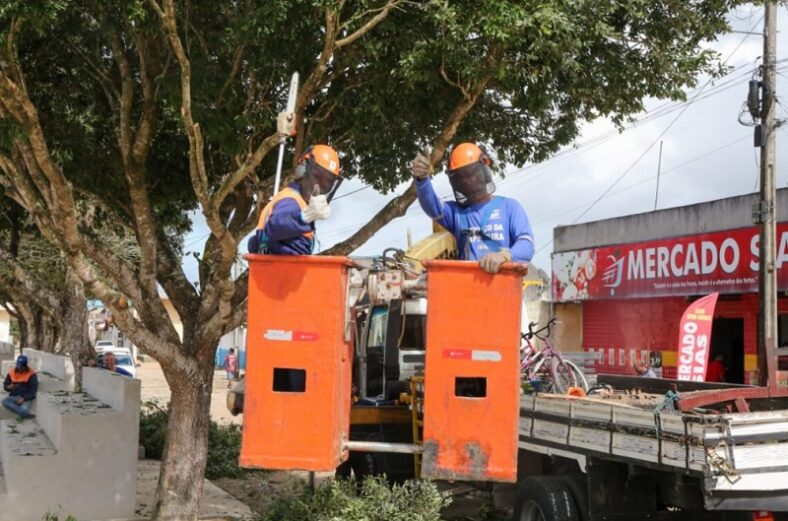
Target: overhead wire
[643, 181]
[654, 142]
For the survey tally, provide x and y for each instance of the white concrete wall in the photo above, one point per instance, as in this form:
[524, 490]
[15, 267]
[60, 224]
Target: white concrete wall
[90, 471]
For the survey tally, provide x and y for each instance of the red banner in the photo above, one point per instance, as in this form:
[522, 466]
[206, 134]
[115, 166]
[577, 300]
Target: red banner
[723, 262]
[695, 339]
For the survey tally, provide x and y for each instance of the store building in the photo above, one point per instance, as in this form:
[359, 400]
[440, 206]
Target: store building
[620, 285]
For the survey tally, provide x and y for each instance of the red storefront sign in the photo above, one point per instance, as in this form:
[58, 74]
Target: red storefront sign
[695, 339]
[723, 262]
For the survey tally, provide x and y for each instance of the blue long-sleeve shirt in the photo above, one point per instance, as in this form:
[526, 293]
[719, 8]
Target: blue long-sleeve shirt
[285, 229]
[507, 224]
[26, 390]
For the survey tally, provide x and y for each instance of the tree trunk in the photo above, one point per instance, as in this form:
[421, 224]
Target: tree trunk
[25, 320]
[186, 448]
[46, 332]
[74, 338]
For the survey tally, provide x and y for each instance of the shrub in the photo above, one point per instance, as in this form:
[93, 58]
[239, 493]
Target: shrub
[375, 500]
[224, 442]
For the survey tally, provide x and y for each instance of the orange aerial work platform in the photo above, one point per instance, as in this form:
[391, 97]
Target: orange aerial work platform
[472, 372]
[299, 363]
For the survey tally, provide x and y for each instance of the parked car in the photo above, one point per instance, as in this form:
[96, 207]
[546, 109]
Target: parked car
[104, 345]
[123, 360]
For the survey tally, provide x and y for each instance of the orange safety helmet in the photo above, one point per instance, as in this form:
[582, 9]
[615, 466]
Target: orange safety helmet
[321, 164]
[466, 153]
[470, 174]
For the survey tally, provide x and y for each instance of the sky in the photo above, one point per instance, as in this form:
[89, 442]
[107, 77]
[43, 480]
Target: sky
[706, 155]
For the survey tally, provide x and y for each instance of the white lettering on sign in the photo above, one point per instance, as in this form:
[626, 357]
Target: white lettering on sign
[663, 254]
[674, 263]
[691, 264]
[651, 263]
[635, 265]
[755, 244]
[690, 259]
[782, 251]
[729, 255]
[708, 257]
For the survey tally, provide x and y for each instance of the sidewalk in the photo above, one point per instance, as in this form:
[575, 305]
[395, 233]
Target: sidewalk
[215, 505]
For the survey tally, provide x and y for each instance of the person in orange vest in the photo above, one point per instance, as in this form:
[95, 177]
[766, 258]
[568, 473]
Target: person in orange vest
[287, 223]
[21, 383]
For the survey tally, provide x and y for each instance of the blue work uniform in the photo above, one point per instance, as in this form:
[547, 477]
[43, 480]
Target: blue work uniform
[481, 228]
[281, 230]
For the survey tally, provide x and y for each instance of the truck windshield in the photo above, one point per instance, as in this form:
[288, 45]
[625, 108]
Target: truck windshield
[415, 331]
[377, 328]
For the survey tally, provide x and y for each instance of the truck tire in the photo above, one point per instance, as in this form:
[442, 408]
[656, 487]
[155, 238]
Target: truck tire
[544, 498]
[578, 487]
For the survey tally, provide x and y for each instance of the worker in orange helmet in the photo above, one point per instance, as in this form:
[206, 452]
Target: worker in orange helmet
[489, 229]
[287, 223]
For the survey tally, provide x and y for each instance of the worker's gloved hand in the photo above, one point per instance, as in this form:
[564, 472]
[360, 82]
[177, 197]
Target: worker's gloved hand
[421, 166]
[316, 209]
[492, 262]
[286, 124]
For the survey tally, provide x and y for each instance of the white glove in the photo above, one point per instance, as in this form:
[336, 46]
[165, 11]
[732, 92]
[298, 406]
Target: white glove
[286, 124]
[421, 166]
[316, 209]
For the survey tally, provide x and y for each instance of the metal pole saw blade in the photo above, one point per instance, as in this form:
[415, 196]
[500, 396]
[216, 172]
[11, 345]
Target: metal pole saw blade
[290, 109]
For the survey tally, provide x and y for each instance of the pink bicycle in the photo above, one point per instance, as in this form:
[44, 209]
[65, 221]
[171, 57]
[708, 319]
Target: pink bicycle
[545, 369]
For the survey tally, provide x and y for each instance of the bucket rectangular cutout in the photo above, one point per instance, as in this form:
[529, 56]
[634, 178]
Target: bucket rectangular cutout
[289, 380]
[470, 387]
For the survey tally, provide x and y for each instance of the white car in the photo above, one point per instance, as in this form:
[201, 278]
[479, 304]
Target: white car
[104, 345]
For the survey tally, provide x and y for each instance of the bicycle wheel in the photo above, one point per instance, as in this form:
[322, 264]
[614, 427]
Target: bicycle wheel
[579, 376]
[565, 374]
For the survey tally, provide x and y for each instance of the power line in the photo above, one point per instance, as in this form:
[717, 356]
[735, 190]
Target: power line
[643, 181]
[351, 193]
[632, 166]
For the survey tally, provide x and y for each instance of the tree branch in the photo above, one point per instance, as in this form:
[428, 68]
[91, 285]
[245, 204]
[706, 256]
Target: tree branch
[383, 12]
[197, 170]
[245, 170]
[397, 206]
[41, 295]
[237, 60]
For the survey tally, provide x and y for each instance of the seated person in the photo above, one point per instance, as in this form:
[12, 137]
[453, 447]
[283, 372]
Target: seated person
[21, 382]
[109, 364]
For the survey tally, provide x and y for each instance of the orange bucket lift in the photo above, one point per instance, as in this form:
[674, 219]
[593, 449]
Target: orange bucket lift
[472, 372]
[299, 369]
[299, 361]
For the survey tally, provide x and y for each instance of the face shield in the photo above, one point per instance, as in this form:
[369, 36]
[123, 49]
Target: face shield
[471, 183]
[326, 181]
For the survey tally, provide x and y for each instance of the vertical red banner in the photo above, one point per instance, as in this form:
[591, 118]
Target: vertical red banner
[695, 339]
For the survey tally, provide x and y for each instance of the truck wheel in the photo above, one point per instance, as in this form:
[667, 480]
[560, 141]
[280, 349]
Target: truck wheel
[544, 498]
[578, 487]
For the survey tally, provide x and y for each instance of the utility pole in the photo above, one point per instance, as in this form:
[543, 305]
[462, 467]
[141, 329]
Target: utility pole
[767, 338]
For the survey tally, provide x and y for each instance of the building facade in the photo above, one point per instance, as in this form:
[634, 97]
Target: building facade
[621, 285]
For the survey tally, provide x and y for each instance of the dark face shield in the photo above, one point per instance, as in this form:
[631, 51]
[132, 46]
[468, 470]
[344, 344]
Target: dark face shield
[471, 183]
[325, 180]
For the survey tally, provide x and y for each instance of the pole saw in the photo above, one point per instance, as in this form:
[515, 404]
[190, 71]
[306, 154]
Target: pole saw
[290, 111]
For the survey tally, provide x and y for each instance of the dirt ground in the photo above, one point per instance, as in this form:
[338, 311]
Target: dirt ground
[154, 388]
